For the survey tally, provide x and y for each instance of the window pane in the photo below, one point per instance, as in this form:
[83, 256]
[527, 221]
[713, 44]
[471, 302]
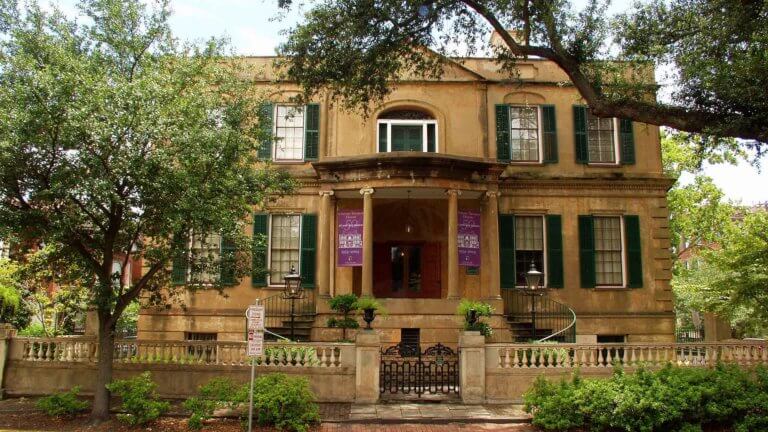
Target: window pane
[284, 250]
[529, 245]
[204, 257]
[407, 137]
[524, 133]
[289, 132]
[608, 251]
[600, 139]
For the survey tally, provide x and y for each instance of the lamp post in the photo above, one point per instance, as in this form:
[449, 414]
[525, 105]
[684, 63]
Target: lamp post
[292, 291]
[532, 282]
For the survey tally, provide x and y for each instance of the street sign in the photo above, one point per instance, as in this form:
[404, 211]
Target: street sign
[255, 342]
[255, 316]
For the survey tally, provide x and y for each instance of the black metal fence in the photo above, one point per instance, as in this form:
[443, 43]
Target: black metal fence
[534, 317]
[689, 334]
[277, 310]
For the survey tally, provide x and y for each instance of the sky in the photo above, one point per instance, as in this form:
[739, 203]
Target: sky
[254, 27]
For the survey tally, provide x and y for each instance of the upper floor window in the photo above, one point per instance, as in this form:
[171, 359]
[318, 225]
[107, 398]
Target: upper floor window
[290, 133]
[406, 130]
[526, 133]
[602, 140]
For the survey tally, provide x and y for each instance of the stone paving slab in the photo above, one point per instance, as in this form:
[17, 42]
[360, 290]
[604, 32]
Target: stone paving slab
[435, 413]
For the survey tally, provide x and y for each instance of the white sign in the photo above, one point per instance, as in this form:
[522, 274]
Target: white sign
[255, 342]
[255, 315]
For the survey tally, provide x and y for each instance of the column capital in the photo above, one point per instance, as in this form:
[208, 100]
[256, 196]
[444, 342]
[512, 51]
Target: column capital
[326, 193]
[492, 194]
[450, 192]
[366, 191]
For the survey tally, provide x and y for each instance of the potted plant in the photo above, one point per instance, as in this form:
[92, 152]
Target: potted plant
[369, 306]
[343, 304]
[472, 312]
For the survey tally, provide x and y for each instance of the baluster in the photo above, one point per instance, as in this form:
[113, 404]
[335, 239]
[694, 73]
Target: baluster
[323, 358]
[551, 358]
[29, 350]
[525, 359]
[600, 358]
[763, 354]
[609, 354]
[515, 358]
[334, 358]
[505, 359]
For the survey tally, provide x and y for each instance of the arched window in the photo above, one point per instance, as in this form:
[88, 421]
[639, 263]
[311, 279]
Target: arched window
[406, 130]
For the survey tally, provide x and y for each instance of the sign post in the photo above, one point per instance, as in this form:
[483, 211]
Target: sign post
[255, 317]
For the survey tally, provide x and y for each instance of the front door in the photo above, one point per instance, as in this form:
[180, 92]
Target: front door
[406, 270]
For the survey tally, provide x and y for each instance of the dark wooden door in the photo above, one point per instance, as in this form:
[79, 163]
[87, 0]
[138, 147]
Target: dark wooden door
[394, 276]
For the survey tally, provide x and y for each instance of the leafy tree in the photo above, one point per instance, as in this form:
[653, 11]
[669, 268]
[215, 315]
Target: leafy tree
[116, 141]
[355, 49]
[10, 296]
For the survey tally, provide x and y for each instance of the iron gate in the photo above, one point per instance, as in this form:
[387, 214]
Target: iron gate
[407, 370]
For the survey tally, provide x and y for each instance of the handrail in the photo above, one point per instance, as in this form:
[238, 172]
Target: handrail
[571, 325]
[277, 309]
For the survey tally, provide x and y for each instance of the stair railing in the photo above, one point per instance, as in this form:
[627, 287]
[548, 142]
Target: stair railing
[555, 317]
[277, 309]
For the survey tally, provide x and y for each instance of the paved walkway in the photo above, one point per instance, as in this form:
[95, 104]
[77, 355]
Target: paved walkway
[434, 413]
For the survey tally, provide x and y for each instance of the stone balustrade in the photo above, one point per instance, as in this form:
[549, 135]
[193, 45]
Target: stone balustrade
[83, 349]
[551, 356]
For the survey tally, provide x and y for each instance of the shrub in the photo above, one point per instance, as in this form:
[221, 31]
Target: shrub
[670, 399]
[62, 404]
[482, 309]
[343, 303]
[218, 393]
[139, 397]
[364, 303]
[343, 323]
[284, 402]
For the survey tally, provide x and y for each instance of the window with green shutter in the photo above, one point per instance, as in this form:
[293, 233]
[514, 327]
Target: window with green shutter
[502, 133]
[266, 112]
[554, 271]
[634, 253]
[507, 250]
[259, 253]
[308, 249]
[580, 133]
[627, 142]
[227, 259]
[180, 264]
[587, 251]
[312, 132]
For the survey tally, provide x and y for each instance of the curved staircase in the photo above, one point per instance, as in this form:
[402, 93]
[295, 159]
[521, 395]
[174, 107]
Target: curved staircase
[538, 318]
[277, 320]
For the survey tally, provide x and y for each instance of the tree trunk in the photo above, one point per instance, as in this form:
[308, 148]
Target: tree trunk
[101, 395]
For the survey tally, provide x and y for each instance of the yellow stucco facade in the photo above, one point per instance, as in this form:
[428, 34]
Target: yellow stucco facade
[462, 174]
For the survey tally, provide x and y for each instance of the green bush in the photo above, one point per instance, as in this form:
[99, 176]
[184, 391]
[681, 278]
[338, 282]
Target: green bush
[139, 397]
[482, 309]
[218, 393]
[62, 404]
[670, 399]
[284, 402]
[343, 323]
[343, 303]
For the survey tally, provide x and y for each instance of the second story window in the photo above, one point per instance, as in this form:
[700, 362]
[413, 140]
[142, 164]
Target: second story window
[526, 133]
[289, 133]
[602, 140]
[406, 130]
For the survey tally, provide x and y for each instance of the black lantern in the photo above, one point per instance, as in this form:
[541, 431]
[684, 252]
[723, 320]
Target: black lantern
[292, 291]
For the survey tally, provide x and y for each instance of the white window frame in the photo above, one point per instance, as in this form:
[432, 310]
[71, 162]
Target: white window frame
[545, 282]
[540, 137]
[397, 122]
[276, 140]
[616, 147]
[623, 252]
[281, 284]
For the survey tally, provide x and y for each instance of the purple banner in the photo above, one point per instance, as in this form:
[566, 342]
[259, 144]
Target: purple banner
[469, 239]
[350, 239]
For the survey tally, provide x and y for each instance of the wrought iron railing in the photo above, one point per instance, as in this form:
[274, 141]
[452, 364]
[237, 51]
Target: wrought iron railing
[277, 310]
[689, 334]
[538, 317]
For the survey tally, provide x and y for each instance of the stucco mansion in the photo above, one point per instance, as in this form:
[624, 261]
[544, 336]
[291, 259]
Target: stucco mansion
[452, 189]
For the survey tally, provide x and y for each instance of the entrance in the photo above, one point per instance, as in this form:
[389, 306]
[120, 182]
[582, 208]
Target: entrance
[407, 371]
[406, 270]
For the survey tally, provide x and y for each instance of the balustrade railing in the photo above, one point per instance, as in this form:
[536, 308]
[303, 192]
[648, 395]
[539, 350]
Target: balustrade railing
[544, 356]
[328, 355]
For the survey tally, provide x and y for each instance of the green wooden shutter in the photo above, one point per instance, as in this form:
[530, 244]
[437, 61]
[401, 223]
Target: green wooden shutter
[382, 137]
[580, 133]
[227, 258]
[260, 242]
[308, 249]
[587, 251]
[502, 133]
[627, 141]
[507, 250]
[265, 125]
[549, 137]
[431, 141]
[312, 132]
[554, 251]
[180, 262]
[634, 255]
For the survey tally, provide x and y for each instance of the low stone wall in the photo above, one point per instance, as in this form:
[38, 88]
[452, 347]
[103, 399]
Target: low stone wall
[44, 366]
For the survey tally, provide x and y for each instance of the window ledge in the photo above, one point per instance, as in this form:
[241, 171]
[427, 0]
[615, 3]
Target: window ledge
[289, 162]
[604, 164]
[612, 288]
[523, 163]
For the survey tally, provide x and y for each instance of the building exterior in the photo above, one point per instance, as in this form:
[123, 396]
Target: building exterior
[582, 198]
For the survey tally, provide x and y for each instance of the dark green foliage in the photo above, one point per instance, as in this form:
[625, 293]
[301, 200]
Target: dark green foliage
[482, 310]
[343, 303]
[218, 393]
[62, 404]
[284, 402]
[344, 323]
[139, 399]
[670, 399]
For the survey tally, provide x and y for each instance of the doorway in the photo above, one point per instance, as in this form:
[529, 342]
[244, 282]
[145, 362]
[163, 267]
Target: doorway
[406, 270]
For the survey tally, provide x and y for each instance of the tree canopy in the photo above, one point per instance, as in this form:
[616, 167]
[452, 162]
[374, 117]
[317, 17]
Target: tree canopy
[715, 50]
[118, 141]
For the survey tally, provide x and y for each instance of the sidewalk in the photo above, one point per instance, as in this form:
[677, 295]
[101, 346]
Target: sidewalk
[432, 413]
